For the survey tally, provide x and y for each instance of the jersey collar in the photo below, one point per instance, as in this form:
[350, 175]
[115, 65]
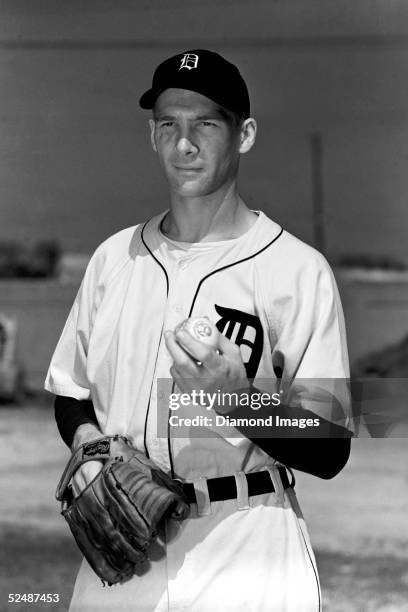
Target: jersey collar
[260, 236]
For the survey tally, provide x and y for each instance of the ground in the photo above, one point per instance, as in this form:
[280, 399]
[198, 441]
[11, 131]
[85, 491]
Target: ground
[358, 521]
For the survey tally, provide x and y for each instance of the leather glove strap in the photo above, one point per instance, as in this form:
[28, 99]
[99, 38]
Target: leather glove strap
[99, 449]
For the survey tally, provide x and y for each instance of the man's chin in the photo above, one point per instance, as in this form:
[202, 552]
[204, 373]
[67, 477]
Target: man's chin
[190, 189]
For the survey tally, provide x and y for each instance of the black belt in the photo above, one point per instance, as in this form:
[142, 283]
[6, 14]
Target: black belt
[225, 487]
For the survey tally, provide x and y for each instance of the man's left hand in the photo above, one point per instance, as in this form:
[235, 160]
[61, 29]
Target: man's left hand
[197, 366]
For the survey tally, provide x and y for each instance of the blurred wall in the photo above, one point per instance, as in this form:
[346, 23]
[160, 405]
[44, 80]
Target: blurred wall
[376, 314]
[75, 163]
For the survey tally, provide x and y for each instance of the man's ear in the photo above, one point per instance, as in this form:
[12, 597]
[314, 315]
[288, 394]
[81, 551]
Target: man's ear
[152, 134]
[248, 135]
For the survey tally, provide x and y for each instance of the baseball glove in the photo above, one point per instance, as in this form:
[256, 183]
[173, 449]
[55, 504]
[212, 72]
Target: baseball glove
[115, 518]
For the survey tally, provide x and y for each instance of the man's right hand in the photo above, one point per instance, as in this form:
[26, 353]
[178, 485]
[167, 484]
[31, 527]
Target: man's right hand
[89, 470]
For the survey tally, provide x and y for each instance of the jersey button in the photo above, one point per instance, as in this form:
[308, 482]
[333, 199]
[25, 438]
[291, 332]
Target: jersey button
[183, 264]
[178, 308]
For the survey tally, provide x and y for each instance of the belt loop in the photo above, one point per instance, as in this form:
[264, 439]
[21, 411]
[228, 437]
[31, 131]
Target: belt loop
[293, 480]
[277, 483]
[242, 491]
[202, 496]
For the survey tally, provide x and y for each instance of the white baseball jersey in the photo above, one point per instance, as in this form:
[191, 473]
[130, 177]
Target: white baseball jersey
[277, 299]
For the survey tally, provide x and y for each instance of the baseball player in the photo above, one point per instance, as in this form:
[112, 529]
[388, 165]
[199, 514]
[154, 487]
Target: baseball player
[245, 545]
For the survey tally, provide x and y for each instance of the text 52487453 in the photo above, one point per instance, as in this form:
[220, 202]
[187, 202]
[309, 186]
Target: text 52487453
[33, 598]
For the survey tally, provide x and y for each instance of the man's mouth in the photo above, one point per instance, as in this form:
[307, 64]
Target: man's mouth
[188, 169]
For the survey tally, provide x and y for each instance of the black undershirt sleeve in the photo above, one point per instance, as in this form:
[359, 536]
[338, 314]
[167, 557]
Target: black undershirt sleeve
[321, 456]
[322, 451]
[70, 413]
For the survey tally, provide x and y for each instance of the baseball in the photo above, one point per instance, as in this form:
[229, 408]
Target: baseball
[201, 328]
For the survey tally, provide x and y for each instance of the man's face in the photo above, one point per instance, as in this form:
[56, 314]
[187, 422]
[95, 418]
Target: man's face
[197, 142]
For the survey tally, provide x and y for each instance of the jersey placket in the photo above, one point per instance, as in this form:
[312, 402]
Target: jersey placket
[182, 285]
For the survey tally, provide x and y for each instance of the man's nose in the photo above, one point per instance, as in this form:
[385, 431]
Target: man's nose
[186, 145]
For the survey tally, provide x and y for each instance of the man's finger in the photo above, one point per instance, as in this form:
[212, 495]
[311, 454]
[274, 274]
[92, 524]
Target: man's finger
[228, 348]
[183, 383]
[196, 349]
[182, 359]
[203, 353]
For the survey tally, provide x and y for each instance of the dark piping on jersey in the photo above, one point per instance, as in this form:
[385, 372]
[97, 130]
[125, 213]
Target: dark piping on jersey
[229, 266]
[235, 263]
[157, 355]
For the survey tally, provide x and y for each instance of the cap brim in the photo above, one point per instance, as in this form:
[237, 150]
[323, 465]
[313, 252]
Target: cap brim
[148, 99]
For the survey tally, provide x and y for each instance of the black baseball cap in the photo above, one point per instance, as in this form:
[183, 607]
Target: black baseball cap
[205, 72]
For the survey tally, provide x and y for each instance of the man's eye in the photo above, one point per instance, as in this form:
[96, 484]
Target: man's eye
[207, 123]
[167, 124]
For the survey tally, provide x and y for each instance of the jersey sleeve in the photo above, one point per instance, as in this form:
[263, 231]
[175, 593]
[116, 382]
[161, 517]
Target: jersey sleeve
[311, 349]
[67, 373]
